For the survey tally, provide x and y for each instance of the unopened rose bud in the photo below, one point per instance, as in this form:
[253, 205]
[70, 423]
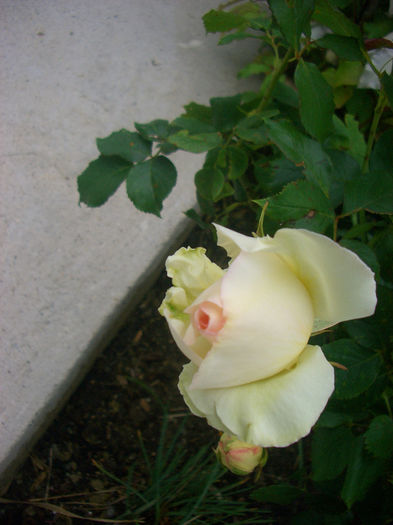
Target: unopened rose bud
[239, 457]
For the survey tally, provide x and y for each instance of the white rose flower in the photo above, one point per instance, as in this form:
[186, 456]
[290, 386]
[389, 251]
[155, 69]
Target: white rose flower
[245, 330]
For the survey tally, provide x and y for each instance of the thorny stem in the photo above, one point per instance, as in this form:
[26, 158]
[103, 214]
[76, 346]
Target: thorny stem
[370, 142]
[260, 232]
[386, 399]
[373, 129]
[277, 72]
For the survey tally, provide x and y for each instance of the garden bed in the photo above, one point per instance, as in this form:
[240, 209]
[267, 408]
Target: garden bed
[98, 435]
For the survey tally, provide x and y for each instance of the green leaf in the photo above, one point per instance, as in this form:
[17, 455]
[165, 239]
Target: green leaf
[344, 46]
[331, 419]
[347, 74]
[286, 95]
[154, 130]
[297, 200]
[293, 18]
[101, 179]
[381, 158]
[240, 35]
[362, 367]
[195, 143]
[379, 437]
[326, 15]
[209, 183]
[253, 69]
[288, 138]
[316, 100]
[198, 111]
[126, 144]
[360, 229]
[372, 192]
[383, 247]
[262, 22]
[237, 161]
[253, 130]
[227, 191]
[221, 21]
[364, 252]
[225, 112]
[282, 494]
[348, 137]
[215, 158]
[282, 171]
[345, 168]
[194, 216]
[249, 10]
[150, 182]
[364, 333]
[379, 26]
[330, 451]
[193, 125]
[363, 470]
[361, 105]
[206, 206]
[302, 151]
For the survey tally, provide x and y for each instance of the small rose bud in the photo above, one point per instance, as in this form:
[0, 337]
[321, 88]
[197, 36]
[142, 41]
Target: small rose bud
[239, 457]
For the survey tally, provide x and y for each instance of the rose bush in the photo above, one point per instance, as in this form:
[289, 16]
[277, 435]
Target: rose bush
[252, 373]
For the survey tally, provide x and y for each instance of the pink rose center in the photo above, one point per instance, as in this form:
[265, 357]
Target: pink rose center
[208, 319]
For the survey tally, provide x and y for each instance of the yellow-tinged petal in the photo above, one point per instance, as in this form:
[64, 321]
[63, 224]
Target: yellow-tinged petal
[185, 379]
[341, 286]
[269, 317]
[234, 242]
[192, 270]
[172, 308]
[273, 412]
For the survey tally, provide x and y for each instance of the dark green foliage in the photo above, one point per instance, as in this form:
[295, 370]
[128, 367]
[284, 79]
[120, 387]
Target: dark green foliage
[280, 494]
[345, 47]
[101, 179]
[149, 182]
[209, 183]
[330, 452]
[379, 437]
[362, 367]
[316, 100]
[293, 18]
[363, 470]
[125, 144]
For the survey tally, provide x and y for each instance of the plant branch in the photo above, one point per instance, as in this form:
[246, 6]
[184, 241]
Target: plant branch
[277, 72]
[373, 129]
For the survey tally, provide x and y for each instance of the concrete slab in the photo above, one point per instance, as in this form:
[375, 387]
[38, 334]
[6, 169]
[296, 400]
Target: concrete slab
[72, 71]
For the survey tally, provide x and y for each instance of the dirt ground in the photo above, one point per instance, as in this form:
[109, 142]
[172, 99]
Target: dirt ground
[100, 424]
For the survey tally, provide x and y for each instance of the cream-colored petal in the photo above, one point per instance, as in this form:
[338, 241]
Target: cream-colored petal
[192, 270]
[341, 286]
[172, 308]
[185, 379]
[178, 329]
[273, 412]
[269, 318]
[234, 242]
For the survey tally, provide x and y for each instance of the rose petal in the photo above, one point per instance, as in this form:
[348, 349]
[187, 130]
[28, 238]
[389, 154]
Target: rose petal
[191, 270]
[234, 242]
[269, 317]
[274, 412]
[341, 286]
[185, 379]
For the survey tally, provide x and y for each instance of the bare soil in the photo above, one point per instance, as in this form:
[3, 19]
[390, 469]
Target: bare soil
[100, 425]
